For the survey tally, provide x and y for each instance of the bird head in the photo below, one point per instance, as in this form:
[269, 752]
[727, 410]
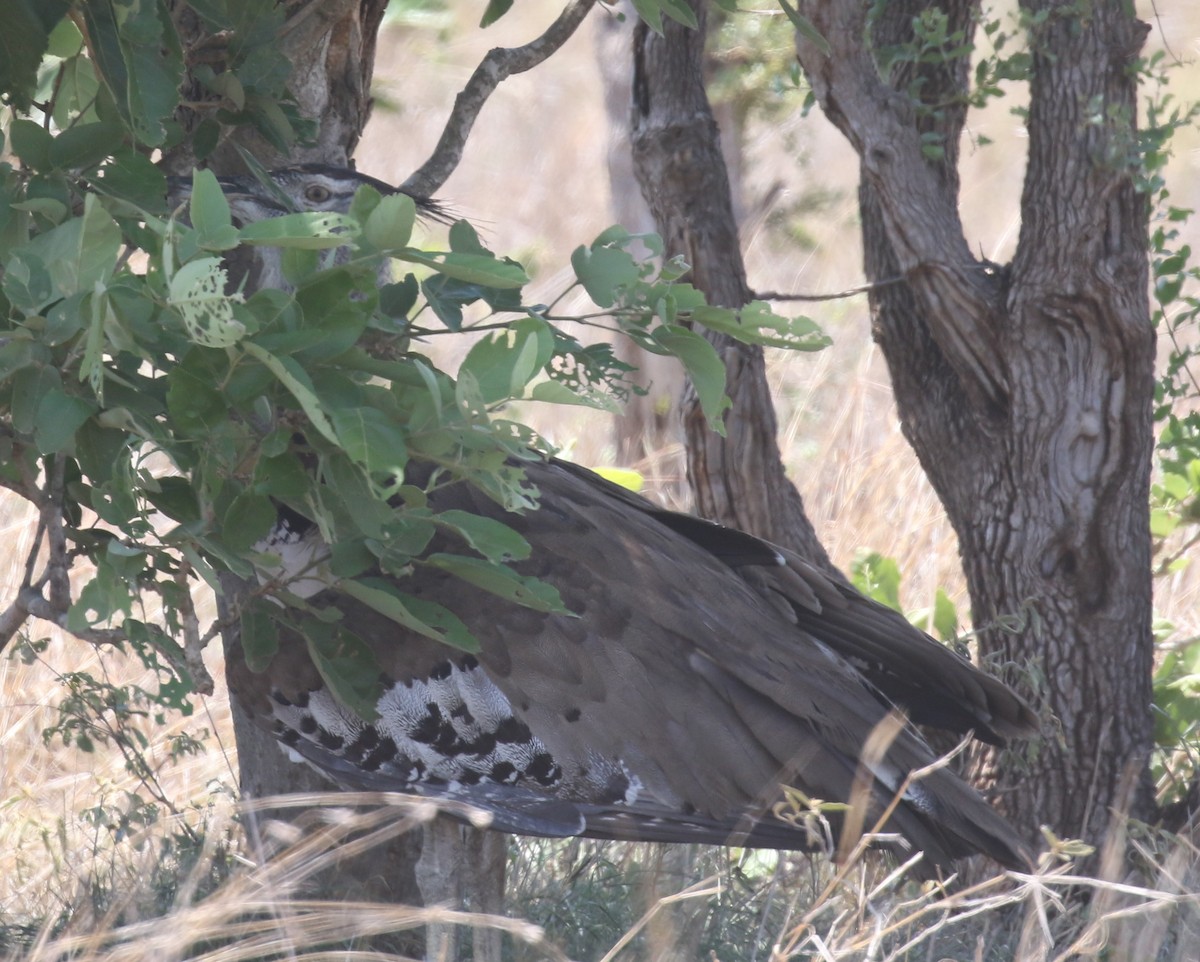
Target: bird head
[318, 188]
[301, 187]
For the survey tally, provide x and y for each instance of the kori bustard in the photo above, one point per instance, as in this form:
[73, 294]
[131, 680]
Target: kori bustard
[704, 670]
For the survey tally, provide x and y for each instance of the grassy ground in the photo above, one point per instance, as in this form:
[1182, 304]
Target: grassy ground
[71, 843]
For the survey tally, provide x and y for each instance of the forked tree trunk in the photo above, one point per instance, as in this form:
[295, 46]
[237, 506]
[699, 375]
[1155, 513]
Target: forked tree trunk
[1025, 389]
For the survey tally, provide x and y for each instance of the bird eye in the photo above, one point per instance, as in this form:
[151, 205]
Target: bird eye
[317, 193]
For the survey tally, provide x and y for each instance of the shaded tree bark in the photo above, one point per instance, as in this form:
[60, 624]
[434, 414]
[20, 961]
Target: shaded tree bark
[739, 479]
[649, 422]
[1026, 389]
[331, 45]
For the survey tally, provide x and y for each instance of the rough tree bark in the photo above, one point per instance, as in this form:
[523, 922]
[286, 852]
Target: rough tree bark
[1025, 389]
[649, 422]
[739, 479]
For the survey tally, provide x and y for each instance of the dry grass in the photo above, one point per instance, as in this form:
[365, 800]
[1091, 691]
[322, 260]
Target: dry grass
[534, 178]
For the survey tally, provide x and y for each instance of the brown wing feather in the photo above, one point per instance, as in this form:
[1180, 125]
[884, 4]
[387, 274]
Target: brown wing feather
[697, 681]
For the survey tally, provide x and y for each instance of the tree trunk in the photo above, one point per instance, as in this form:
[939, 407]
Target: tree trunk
[738, 479]
[332, 42]
[649, 423]
[1025, 390]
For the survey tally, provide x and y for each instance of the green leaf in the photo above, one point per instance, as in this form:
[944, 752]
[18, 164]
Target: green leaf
[308, 230]
[651, 12]
[24, 38]
[877, 577]
[31, 142]
[294, 378]
[65, 38]
[1163, 521]
[396, 300]
[30, 385]
[208, 209]
[85, 145]
[131, 177]
[26, 282]
[756, 323]
[369, 513]
[705, 368]
[805, 27]
[504, 362]
[389, 226]
[128, 562]
[15, 354]
[79, 253]
[555, 392]
[945, 616]
[424, 617]
[371, 438]
[604, 272]
[347, 665]
[472, 268]
[495, 10]
[140, 59]
[493, 539]
[501, 581]
[101, 598]
[260, 639]
[248, 520]
[59, 416]
[680, 12]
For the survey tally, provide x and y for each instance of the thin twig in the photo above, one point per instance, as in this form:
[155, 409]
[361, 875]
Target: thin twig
[193, 644]
[499, 64]
[839, 295]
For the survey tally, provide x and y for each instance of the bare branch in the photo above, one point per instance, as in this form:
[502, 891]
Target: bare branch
[193, 644]
[11, 620]
[499, 64]
[837, 296]
[39, 607]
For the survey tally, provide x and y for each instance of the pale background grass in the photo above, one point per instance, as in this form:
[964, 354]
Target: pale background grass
[533, 179]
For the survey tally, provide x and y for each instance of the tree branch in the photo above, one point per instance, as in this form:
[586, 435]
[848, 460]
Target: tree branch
[498, 65]
[961, 297]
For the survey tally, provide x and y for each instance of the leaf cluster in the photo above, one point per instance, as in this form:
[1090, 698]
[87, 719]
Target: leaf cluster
[159, 414]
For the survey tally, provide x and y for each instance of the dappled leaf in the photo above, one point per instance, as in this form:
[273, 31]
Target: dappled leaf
[347, 665]
[389, 226]
[209, 213]
[504, 362]
[426, 618]
[500, 581]
[877, 577]
[309, 230]
[472, 268]
[259, 637]
[198, 293]
[492, 539]
[25, 37]
[139, 56]
[604, 272]
[495, 10]
[705, 368]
